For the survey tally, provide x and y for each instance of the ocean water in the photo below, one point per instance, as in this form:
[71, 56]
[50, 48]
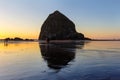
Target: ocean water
[89, 60]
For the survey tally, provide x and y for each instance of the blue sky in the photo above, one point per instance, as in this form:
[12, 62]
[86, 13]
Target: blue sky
[94, 18]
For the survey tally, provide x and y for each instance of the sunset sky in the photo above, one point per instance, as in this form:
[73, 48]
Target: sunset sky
[98, 19]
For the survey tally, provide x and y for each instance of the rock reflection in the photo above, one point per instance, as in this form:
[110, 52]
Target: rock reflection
[58, 55]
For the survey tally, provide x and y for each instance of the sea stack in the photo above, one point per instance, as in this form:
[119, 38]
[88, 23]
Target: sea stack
[58, 27]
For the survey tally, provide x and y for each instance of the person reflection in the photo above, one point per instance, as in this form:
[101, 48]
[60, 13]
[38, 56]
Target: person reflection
[58, 55]
[5, 43]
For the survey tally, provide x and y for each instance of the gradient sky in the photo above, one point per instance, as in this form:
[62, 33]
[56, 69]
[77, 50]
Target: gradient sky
[95, 18]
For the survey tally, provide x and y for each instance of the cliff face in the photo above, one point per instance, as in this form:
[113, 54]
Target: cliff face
[59, 27]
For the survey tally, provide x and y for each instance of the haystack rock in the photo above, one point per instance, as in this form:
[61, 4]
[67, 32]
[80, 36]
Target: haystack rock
[58, 27]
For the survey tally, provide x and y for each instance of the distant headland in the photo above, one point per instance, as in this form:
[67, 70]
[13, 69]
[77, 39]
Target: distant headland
[17, 39]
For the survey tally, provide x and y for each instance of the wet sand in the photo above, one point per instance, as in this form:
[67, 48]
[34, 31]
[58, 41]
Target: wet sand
[60, 61]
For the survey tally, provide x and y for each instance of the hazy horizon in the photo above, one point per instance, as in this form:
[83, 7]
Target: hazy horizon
[96, 19]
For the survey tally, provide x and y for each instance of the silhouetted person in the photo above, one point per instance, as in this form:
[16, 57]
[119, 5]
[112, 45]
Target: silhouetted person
[48, 40]
[5, 42]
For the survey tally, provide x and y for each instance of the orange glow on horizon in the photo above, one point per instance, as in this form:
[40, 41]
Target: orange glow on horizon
[21, 35]
[36, 35]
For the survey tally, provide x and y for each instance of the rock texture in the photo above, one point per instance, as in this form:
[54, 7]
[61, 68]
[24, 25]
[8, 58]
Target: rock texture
[58, 27]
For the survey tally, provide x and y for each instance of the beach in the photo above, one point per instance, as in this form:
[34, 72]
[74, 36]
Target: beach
[91, 60]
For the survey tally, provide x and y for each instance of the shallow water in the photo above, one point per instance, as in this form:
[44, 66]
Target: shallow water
[95, 60]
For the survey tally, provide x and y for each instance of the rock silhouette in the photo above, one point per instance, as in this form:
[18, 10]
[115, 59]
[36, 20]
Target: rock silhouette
[58, 55]
[58, 27]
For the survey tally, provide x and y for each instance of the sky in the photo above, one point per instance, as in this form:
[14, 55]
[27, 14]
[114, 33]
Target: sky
[97, 19]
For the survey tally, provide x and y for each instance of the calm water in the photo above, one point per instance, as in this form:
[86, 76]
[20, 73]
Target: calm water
[96, 60]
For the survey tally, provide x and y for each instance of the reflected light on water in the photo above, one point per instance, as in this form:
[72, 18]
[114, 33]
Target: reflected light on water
[17, 58]
[95, 60]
